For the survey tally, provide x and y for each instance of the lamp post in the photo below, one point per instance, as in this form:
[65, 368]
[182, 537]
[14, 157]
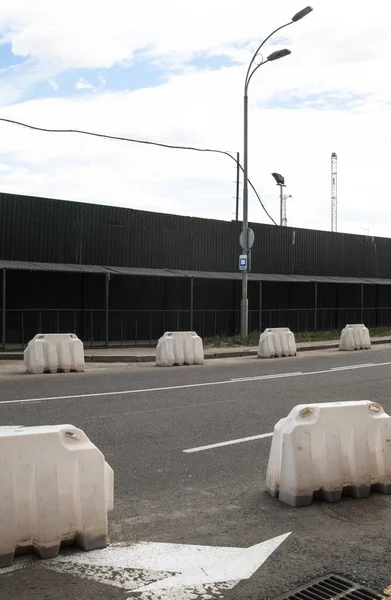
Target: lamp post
[250, 72]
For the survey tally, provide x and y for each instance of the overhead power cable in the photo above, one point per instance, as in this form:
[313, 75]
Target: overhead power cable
[137, 141]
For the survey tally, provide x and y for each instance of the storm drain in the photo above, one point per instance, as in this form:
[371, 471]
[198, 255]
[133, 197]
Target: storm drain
[332, 587]
[374, 510]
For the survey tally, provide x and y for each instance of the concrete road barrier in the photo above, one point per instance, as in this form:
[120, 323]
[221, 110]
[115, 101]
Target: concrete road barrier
[179, 348]
[55, 487]
[355, 337]
[54, 352]
[328, 450]
[276, 342]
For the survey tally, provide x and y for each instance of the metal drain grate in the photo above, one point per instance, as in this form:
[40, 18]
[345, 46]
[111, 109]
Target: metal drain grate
[332, 587]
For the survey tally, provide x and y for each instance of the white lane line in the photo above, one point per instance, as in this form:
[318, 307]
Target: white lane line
[124, 392]
[300, 373]
[185, 386]
[273, 376]
[349, 367]
[229, 443]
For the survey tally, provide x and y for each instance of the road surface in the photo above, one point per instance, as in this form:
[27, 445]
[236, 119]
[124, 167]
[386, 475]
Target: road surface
[179, 479]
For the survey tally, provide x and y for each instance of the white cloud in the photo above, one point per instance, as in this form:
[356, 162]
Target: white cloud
[53, 84]
[83, 84]
[336, 76]
[94, 34]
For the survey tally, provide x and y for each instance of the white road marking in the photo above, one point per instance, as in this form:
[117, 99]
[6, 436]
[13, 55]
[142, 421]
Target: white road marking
[228, 443]
[174, 571]
[191, 385]
[272, 376]
[121, 393]
[347, 368]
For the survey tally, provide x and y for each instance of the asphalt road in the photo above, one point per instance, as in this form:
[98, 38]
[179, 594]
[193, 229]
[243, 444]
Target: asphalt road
[143, 418]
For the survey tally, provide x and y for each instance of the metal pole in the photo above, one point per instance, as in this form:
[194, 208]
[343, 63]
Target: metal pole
[281, 206]
[284, 219]
[362, 303]
[191, 303]
[237, 185]
[107, 310]
[316, 307]
[260, 306]
[244, 300]
[3, 313]
[250, 72]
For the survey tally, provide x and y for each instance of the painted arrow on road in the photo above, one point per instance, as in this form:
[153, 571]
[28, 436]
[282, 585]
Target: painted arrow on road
[180, 571]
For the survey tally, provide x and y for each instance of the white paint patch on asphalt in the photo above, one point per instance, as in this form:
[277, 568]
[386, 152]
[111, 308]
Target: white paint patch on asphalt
[228, 443]
[168, 571]
[193, 385]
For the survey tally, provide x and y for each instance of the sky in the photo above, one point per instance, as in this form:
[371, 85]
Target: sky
[173, 72]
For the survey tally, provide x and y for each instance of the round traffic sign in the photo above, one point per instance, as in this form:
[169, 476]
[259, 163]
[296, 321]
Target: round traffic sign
[247, 238]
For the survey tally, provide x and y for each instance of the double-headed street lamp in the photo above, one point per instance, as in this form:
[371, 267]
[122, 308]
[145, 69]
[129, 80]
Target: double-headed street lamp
[245, 232]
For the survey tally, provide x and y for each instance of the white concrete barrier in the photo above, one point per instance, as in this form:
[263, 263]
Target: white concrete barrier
[355, 337]
[179, 348]
[48, 352]
[330, 449]
[55, 487]
[276, 342]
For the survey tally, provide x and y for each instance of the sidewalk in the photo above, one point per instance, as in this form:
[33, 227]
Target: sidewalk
[141, 354]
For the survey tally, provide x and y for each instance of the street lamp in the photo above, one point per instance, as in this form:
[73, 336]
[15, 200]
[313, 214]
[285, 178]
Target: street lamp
[280, 181]
[250, 72]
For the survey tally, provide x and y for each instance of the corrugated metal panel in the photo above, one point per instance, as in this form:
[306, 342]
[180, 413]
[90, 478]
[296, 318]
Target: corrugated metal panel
[210, 275]
[71, 268]
[277, 278]
[36, 229]
[135, 271]
[98, 269]
[53, 231]
[17, 265]
[58, 267]
[143, 272]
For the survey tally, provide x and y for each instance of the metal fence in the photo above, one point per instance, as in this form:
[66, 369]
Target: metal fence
[144, 327]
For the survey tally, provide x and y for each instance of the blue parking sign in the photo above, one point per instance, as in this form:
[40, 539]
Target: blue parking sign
[243, 262]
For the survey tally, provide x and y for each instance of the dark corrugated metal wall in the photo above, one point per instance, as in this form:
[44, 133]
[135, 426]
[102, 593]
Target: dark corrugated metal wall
[46, 230]
[143, 308]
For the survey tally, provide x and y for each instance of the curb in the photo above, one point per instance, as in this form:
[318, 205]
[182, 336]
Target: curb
[376, 342]
[119, 359]
[324, 346]
[233, 354]
[151, 358]
[11, 356]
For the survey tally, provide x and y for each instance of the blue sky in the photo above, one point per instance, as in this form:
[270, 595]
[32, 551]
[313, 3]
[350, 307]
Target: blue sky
[128, 75]
[174, 73]
[7, 58]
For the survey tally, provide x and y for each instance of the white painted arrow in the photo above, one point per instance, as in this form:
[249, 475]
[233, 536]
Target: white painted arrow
[208, 564]
[160, 566]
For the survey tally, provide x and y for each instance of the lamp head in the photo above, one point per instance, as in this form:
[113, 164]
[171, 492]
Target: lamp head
[302, 13]
[280, 180]
[278, 54]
